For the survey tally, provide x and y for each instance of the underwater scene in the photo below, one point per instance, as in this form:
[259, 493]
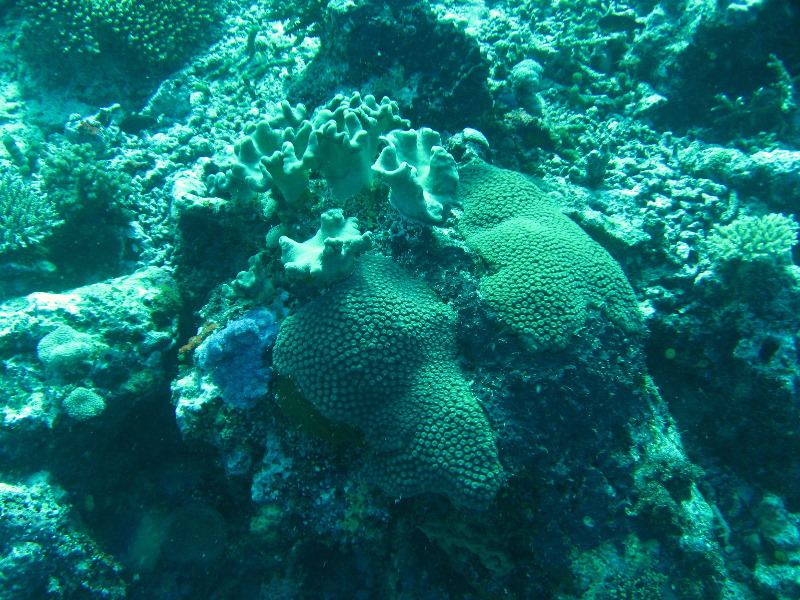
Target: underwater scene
[401, 300]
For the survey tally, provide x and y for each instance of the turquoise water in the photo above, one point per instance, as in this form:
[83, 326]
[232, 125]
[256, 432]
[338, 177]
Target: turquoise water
[399, 301]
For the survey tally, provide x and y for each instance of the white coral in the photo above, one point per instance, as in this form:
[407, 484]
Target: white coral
[329, 255]
[421, 174]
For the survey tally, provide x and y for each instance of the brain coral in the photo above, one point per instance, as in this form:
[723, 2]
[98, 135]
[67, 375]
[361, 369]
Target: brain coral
[83, 404]
[546, 273]
[66, 352]
[378, 352]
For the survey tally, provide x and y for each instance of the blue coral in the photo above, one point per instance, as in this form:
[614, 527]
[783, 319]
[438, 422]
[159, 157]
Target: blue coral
[237, 357]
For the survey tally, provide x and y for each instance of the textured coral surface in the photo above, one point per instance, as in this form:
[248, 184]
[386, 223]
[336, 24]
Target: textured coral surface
[378, 352]
[545, 272]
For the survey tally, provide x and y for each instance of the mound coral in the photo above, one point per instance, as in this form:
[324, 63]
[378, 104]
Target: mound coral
[545, 272]
[83, 404]
[378, 352]
[67, 353]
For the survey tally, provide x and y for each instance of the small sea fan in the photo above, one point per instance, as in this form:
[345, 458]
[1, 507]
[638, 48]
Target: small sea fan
[754, 239]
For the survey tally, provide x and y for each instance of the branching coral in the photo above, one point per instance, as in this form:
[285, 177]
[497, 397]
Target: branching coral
[26, 217]
[754, 239]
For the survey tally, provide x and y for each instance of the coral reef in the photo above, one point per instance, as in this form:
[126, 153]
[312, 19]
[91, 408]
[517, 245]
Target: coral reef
[566, 369]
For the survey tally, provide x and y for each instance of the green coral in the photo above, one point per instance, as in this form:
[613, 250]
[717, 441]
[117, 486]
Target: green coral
[754, 239]
[378, 352]
[26, 217]
[545, 272]
[145, 35]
